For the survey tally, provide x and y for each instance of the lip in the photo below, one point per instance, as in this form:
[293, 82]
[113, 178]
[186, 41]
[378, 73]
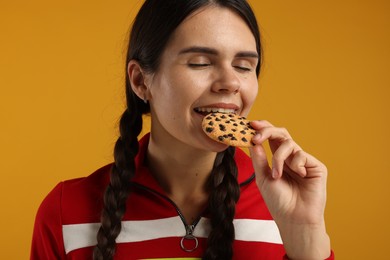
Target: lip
[230, 106]
[221, 105]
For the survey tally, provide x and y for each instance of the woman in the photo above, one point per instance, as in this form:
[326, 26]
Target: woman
[176, 192]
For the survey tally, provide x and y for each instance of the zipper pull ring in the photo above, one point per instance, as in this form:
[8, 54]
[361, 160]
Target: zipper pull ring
[189, 236]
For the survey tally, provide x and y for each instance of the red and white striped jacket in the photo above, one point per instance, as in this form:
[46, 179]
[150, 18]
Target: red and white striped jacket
[153, 227]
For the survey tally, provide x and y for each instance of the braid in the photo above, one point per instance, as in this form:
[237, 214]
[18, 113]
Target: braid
[126, 148]
[222, 205]
[151, 31]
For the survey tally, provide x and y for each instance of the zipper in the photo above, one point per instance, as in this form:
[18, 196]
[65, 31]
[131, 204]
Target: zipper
[189, 236]
[188, 227]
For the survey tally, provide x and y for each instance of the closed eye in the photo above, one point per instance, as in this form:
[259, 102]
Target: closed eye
[243, 68]
[198, 65]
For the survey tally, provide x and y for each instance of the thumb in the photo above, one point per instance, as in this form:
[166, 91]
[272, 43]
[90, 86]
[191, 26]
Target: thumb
[260, 163]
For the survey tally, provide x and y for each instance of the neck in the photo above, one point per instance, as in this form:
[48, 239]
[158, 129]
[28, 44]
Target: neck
[183, 174]
[180, 170]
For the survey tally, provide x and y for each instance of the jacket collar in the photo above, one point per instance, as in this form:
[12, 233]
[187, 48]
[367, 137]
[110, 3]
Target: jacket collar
[144, 177]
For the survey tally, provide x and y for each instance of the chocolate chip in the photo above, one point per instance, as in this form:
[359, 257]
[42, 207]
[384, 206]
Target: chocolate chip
[233, 138]
[209, 129]
[235, 124]
[217, 119]
[222, 127]
[244, 140]
[221, 138]
[211, 123]
[243, 132]
[242, 123]
[223, 116]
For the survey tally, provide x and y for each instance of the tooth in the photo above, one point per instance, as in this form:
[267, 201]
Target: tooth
[214, 110]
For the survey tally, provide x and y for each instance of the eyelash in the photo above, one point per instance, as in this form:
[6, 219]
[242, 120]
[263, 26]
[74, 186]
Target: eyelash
[199, 65]
[243, 68]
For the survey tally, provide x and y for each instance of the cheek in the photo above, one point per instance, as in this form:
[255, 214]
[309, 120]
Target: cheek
[172, 92]
[255, 91]
[185, 88]
[249, 97]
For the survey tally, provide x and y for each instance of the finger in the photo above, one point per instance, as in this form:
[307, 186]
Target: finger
[260, 163]
[297, 163]
[305, 165]
[260, 124]
[275, 135]
[282, 155]
[314, 167]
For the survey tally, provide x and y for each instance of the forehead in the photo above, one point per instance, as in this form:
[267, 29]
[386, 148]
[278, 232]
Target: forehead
[216, 27]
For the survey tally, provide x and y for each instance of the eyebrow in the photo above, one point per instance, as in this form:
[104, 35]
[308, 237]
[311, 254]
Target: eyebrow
[198, 49]
[207, 50]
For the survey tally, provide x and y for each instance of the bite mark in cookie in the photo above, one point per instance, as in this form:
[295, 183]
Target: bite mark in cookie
[229, 129]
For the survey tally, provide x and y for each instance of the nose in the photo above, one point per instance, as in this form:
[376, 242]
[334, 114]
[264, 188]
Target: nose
[226, 81]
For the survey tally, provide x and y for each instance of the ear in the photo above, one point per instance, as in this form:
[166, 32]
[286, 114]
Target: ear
[138, 80]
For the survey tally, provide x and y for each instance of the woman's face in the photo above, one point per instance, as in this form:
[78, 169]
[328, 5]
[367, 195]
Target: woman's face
[208, 64]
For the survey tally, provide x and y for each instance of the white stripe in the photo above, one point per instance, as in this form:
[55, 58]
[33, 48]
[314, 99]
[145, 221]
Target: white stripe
[79, 235]
[257, 230]
[83, 235]
[134, 231]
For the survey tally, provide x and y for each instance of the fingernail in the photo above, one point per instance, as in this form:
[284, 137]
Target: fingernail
[257, 137]
[274, 173]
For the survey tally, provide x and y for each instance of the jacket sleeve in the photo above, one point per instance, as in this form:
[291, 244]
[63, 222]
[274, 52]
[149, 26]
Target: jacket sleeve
[47, 240]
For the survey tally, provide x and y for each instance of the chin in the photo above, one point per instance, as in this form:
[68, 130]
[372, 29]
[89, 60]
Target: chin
[215, 146]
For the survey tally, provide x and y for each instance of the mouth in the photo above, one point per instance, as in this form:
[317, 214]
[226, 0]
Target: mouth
[207, 110]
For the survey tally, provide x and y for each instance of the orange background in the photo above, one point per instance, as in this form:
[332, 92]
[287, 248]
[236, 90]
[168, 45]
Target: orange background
[325, 78]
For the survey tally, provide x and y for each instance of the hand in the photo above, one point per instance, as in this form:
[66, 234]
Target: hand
[294, 190]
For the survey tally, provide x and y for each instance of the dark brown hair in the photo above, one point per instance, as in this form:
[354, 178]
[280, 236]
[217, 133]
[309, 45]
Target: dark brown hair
[151, 30]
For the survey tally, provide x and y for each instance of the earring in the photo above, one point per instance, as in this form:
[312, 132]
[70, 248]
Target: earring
[145, 100]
